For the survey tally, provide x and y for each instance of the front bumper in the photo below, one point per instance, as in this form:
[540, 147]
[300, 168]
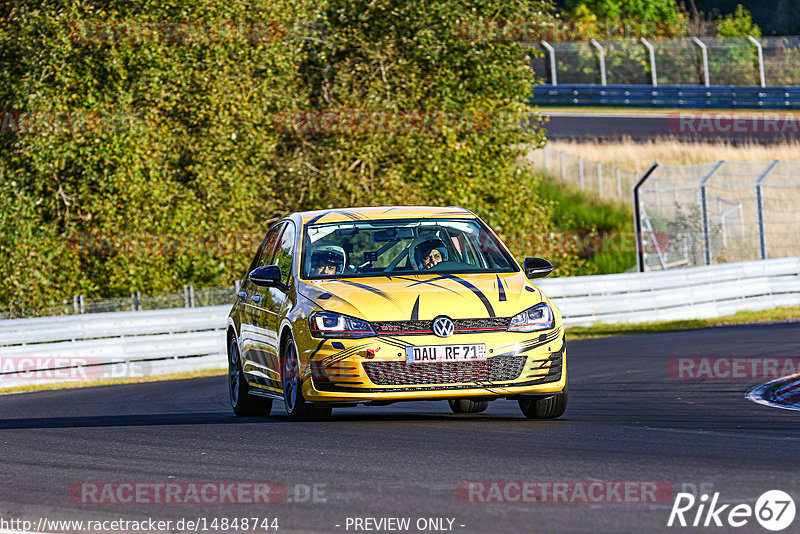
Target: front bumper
[375, 369]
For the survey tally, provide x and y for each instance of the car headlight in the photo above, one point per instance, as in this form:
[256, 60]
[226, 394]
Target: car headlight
[540, 317]
[329, 324]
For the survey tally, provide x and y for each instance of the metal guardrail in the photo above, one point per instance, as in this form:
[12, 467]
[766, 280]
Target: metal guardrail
[692, 293]
[667, 96]
[111, 345]
[144, 343]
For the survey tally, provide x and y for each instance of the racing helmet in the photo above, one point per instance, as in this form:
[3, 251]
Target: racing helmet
[425, 248]
[328, 254]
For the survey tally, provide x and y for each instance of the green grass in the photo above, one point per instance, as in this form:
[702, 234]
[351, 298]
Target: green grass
[578, 213]
[784, 314]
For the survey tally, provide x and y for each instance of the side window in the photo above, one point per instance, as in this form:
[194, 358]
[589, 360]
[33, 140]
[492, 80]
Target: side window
[267, 248]
[283, 256]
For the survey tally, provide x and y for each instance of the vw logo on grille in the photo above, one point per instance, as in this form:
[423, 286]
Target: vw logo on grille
[443, 326]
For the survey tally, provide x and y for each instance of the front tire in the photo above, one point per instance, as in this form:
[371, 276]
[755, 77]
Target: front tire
[468, 406]
[296, 405]
[546, 408]
[243, 404]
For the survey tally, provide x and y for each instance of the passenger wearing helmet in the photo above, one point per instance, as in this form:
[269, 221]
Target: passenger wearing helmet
[430, 253]
[327, 260]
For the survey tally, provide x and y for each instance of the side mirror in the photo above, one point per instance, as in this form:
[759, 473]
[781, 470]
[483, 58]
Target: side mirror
[537, 267]
[266, 276]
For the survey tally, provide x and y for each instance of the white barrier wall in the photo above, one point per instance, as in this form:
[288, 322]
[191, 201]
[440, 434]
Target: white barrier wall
[107, 345]
[693, 293]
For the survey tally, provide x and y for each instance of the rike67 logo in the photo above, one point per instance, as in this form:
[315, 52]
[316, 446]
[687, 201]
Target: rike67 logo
[774, 510]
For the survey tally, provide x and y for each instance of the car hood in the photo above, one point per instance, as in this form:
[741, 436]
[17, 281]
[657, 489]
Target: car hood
[423, 297]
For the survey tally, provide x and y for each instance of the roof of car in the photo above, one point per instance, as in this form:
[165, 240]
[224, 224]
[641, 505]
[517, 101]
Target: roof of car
[383, 212]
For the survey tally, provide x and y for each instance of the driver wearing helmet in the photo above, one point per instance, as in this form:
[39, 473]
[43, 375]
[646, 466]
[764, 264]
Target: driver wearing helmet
[430, 253]
[327, 260]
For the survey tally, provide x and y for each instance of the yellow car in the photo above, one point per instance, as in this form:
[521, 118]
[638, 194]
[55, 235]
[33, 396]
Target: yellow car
[385, 304]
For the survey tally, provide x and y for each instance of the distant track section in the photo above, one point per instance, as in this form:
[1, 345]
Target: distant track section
[686, 126]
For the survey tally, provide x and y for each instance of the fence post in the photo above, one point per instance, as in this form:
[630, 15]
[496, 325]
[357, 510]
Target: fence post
[762, 242]
[599, 180]
[237, 286]
[136, 301]
[704, 207]
[544, 157]
[652, 53]
[563, 168]
[601, 57]
[77, 304]
[619, 184]
[760, 50]
[188, 296]
[637, 215]
[704, 52]
[552, 53]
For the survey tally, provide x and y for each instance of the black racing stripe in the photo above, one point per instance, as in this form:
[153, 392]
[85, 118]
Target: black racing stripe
[317, 349]
[338, 356]
[430, 282]
[394, 342]
[531, 344]
[306, 369]
[415, 310]
[350, 215]
[501, 290]
[475, 290]
[374, 290]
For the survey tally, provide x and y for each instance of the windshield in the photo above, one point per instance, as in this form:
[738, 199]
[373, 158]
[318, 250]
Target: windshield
[371, 248]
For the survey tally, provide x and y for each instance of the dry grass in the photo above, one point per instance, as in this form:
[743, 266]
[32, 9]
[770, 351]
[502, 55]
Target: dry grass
[638, 156]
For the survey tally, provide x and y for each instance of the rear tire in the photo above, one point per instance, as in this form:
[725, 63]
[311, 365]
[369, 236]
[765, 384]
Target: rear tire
[468, 406]
[243, 404]
[546, 408]
[296, 405]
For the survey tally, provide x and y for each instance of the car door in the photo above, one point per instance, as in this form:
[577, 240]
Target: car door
[253, 321]
[275, 303]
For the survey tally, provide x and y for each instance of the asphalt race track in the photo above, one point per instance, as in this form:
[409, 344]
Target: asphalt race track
[689, 126]
[628, 420]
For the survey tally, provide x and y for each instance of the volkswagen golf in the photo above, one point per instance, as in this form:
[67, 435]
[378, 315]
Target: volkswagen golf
[385, 304]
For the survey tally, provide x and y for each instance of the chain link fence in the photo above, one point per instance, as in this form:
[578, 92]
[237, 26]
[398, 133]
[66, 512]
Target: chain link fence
[719, 212]
[600, 180]
[692, 215]
[736, 61]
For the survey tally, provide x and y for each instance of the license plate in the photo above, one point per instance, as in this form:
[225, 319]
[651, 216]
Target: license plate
[446, 353]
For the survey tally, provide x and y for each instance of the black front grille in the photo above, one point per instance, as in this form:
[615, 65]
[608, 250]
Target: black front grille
[462, 326]
[402, 373]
